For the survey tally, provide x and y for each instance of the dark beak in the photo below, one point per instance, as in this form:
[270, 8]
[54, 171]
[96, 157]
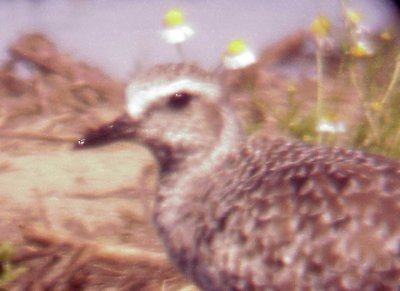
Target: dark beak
[121, 128]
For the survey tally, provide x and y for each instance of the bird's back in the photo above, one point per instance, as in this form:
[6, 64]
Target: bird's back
[292, 216]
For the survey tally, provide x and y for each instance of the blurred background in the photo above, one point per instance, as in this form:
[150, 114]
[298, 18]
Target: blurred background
[81, 218]
[120, 36]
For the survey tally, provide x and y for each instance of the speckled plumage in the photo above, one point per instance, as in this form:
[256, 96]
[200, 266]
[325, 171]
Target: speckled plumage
[238, 213]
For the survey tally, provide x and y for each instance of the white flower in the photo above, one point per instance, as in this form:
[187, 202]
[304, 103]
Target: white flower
[327, 126]
[238, 55]
[177, 34]
[176, 29]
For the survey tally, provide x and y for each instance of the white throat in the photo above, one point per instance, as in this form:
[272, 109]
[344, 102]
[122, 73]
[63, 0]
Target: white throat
[231, 136]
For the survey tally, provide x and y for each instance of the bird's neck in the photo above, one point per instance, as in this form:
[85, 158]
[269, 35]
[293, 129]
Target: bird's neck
[201, 158]
[181, 198]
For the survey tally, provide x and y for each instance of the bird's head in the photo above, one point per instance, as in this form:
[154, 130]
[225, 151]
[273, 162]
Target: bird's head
[177, 110]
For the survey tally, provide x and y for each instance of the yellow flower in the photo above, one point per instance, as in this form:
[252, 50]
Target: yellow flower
[361, 49]
[386, 35]
[291, 88]
[236, 46]
[353, 16]
[174, 17]
[320, 26]
[376, 106]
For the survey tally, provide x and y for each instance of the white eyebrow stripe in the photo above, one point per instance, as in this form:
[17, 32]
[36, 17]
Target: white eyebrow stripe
[138, 100]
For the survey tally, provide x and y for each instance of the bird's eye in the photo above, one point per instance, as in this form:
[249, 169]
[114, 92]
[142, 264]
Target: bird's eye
[179, 100]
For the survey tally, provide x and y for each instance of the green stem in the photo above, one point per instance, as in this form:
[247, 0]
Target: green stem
[179, 49]
[395, 140]
[366, 109]
[393, 80]
[320, 87]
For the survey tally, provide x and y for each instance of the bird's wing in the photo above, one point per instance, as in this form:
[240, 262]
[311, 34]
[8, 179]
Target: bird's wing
[295, 211]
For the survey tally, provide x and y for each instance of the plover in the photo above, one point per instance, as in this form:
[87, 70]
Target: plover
[250, 213]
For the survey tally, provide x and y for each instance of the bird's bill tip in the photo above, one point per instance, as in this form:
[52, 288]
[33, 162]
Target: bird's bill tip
[121, 128]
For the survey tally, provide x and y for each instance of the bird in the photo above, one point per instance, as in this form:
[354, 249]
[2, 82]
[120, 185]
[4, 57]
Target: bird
[239, 212]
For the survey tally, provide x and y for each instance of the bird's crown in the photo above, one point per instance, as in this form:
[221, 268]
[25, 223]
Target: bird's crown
[170, 83]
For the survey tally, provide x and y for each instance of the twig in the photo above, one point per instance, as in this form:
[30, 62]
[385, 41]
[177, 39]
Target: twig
[103, 252]
[37, 136]
[42, 209]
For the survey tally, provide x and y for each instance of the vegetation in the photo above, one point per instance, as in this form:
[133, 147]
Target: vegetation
[365, 76]
[8, 271]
